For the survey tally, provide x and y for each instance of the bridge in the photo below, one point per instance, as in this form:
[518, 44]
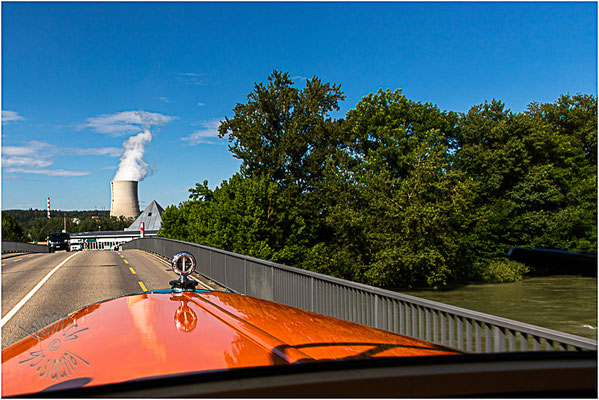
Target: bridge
[142, 266]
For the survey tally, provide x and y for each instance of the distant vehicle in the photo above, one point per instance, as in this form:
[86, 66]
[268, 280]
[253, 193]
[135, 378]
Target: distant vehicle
[58, 241]
[76, 246]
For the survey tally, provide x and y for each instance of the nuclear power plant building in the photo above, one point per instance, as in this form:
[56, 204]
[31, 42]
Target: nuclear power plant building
[123, 199]
[123, 202]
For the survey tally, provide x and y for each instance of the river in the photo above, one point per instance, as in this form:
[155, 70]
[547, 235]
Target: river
[564, 303]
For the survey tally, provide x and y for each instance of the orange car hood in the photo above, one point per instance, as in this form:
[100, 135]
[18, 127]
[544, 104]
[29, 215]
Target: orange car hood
[156, 334]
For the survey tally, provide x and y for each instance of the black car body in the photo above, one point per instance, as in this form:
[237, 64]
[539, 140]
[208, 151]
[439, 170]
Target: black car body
[58, 241]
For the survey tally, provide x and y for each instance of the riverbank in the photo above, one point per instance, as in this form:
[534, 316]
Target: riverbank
[565, 303]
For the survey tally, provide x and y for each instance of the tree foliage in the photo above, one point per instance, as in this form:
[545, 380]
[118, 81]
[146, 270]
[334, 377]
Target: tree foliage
[12, 230]
[399, 193]
[403, 203]
[243, 215]
[285, 133]
[535, 174]
[36, 226]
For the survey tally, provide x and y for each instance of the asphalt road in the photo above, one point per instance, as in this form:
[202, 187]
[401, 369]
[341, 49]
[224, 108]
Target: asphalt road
[84, 278]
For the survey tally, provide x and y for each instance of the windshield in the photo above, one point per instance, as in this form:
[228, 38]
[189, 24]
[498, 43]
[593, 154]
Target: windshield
[55, 237]
[423, 169]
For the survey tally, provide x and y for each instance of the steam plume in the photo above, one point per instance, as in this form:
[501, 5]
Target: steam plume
[132, 167]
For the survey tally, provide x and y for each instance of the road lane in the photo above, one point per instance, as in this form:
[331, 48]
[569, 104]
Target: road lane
[90, 277]
[20, 277]
[152, 272]
[33, 291]
[153, 279]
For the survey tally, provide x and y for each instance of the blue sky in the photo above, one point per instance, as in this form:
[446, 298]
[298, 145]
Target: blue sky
[79, 80]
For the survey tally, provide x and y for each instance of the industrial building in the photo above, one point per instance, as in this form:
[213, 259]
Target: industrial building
[150, 219]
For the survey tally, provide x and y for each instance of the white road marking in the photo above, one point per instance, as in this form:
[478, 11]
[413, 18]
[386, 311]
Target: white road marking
[21, 303]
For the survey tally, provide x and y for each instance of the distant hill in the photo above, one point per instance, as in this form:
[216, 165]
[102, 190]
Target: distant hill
[26, 217]
[36, 226]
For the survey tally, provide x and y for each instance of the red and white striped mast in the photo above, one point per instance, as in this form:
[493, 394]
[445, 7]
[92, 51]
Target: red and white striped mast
[48, 207]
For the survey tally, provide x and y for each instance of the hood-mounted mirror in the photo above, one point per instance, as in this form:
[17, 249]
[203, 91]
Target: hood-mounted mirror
[183, 264]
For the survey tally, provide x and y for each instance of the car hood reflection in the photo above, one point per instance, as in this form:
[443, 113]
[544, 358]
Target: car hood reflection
[156, 334]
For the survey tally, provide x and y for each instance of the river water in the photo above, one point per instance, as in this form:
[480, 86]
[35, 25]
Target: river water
[564, 303]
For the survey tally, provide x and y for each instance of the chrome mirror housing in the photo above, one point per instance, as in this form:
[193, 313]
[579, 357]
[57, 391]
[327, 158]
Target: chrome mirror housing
[183, 264]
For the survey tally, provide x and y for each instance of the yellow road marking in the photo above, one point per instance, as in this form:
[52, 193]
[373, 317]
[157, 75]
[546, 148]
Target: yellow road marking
[132, 270]
[122, 256]
[3, 264]
[18, 259]
[143, 287]
[126, 262]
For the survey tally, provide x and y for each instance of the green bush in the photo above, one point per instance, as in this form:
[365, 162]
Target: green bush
[503, 270]
[11, 229]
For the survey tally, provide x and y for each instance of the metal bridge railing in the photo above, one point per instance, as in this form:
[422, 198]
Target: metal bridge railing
[451, 326]
[19, 247]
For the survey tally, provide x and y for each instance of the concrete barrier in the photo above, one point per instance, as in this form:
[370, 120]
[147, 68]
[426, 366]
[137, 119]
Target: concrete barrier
[19, 247]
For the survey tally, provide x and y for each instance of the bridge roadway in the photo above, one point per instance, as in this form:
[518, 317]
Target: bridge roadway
[83, 278]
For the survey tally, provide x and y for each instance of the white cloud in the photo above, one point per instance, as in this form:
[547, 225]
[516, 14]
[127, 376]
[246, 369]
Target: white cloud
[34, 155]
[39, 149]
[192, 78]
[207, 135]
[101, 151]
[19, 161]
[50, 172]
[8, 116]
[164, 99]
[33, 147]
[200, 104]
[299, 77]
[126, 122]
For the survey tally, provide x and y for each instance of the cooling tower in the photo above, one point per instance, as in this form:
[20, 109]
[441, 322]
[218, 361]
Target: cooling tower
[123, 199]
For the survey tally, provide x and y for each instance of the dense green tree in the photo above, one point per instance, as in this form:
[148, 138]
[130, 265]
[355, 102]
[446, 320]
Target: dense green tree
[535, 175]
[399, 193]
[285, 133]
[201, 192]
[392, 126]
[401, 202]
[243, 215]
[571, 123]
[12, 230]
[176, 221]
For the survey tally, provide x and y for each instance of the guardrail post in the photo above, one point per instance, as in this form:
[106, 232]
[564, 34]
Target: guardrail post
[499, 340]
[488, 338]
[376, 311]
[311, 293]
